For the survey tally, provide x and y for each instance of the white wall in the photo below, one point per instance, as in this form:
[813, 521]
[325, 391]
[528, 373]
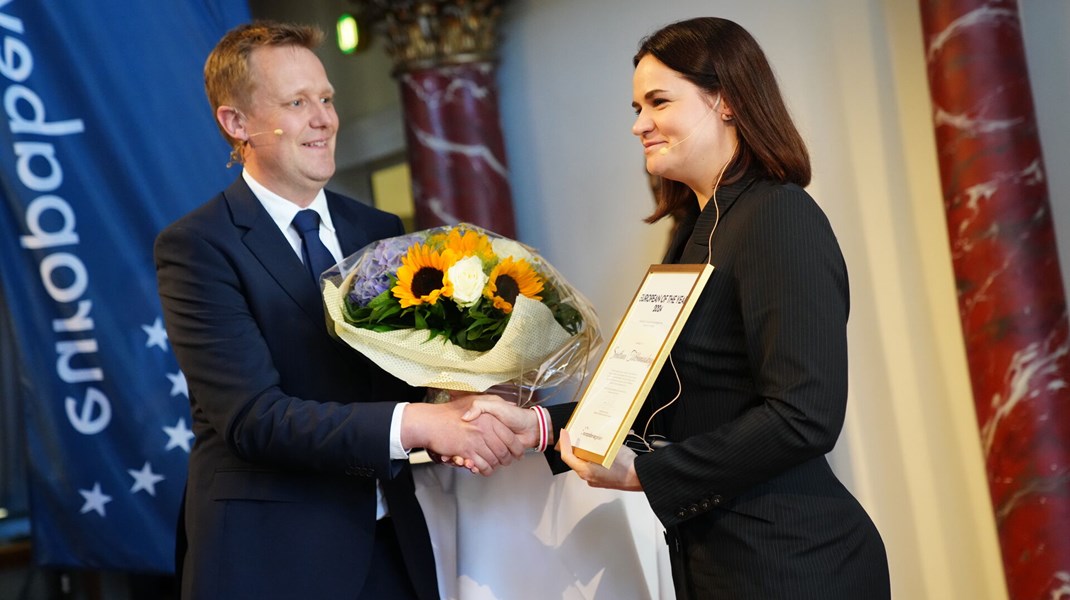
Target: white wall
[854, 75]
[1047, 47]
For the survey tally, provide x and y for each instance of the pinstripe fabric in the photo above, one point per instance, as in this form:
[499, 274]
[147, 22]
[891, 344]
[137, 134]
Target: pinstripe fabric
[763, 365]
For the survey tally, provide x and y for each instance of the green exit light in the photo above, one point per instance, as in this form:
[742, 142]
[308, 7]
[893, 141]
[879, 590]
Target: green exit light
[348, 34]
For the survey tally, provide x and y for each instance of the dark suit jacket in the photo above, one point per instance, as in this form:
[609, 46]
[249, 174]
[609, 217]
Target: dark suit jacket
[762, 362]
[292, 428]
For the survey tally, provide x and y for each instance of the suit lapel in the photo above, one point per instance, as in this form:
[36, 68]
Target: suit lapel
[263, 238]
[697, 249]
[680, 235]
[351, 232]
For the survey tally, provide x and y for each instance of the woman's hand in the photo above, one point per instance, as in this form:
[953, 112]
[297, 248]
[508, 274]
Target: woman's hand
[481, 443]
[520, 424]
[619, 476]
[522, 421]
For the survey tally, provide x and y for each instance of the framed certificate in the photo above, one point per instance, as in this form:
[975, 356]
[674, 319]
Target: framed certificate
[633, 359]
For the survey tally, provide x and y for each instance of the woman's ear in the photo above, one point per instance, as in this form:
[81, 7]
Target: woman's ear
[726, 112]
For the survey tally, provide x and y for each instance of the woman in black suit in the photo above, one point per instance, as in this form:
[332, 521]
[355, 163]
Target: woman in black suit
[754, 394]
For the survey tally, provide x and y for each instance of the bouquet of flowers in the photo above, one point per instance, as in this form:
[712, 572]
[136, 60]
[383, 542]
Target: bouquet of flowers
[461, 308]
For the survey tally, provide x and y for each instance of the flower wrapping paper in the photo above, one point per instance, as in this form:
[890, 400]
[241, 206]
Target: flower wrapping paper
[534, 350]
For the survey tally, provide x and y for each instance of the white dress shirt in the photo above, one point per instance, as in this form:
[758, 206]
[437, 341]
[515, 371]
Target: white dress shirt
[282, 211]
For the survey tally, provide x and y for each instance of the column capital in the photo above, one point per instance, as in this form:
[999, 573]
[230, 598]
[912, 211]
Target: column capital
[423, 34]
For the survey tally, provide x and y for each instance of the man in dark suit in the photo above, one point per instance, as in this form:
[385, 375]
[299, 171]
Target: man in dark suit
[298, 485]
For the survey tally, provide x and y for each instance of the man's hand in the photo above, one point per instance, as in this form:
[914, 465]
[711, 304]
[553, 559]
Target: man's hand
[485, 443]
[619, 476]
[523, 422]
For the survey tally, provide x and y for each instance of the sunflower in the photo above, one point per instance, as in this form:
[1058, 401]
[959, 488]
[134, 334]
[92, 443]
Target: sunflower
[510, 279]
[422, 276]
[468, 243]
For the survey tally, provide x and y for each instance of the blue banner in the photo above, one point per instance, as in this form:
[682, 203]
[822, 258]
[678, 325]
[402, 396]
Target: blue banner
[106, 138]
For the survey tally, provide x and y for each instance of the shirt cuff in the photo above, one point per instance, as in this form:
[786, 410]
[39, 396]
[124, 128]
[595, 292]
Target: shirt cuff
[397, 451]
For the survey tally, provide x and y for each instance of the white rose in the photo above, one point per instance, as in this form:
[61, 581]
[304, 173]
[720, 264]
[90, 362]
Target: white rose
[468, 280]
[506, 248]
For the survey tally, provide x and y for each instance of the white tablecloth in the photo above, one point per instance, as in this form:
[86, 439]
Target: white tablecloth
[524, 533]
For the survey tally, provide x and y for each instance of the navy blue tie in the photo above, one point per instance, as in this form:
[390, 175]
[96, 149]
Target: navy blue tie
[316, 256]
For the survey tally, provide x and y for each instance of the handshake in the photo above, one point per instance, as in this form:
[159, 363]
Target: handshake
[480, 432]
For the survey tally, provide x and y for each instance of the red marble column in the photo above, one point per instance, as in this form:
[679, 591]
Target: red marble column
[443, 52]
[455, 147]
[1011, 301]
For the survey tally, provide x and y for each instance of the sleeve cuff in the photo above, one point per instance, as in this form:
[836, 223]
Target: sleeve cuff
[397, 451]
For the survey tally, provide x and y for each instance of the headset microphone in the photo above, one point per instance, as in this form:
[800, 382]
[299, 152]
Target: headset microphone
[665, 150]
[713, 108]
[277, 132]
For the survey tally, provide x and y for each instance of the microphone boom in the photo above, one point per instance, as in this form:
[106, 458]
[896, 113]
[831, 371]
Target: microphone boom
[277, 132]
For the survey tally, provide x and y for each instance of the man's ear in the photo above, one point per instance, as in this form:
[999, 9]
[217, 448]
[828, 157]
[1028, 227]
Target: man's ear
[232, 122]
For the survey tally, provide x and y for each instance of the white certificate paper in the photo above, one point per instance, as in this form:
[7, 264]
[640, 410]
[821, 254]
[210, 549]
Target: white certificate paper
[633, 359]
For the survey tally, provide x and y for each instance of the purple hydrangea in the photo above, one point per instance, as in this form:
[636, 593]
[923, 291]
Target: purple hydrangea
[376, 266]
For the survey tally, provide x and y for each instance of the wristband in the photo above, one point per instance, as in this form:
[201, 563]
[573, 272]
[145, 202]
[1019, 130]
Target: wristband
[541, 416]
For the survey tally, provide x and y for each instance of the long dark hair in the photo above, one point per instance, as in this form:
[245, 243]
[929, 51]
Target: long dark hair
[719, 56]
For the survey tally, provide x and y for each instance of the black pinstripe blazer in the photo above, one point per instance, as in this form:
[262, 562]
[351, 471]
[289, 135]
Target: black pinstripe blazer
[762, 363]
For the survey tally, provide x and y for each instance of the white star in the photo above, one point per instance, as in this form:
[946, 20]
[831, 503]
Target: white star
[94, 499]
[180, 436]
[178, 384]
[157, 334]
[145, 479]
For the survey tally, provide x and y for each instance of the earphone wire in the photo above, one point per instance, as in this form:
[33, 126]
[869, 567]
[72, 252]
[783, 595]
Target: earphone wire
[709, 258]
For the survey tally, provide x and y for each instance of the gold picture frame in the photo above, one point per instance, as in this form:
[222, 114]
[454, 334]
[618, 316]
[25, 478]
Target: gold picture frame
[633, 358]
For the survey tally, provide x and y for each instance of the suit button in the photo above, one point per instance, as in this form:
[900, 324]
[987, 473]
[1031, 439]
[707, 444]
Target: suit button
[681, 514]
[704, 505]
[716, 500]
